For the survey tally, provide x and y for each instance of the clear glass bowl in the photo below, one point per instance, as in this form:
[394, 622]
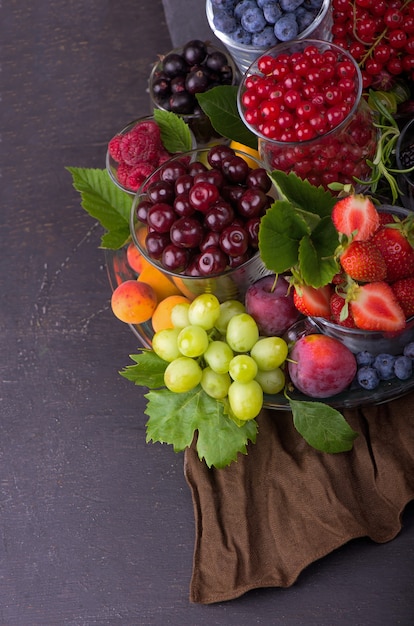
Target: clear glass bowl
[244, 55]
[405, 181]
[198, 122]
[335, 156]
[230, 284]
[113, 165]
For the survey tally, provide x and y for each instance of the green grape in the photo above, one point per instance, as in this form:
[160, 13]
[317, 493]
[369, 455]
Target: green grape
[179, 315]
[214, 384]
[218, 356]
[271, 381]
[242, 368]
[269, 352]
[227, 310]
[164, 344]
[245, 399]
[182, 374]
[242, 332]
[192, 341]
[204, 311]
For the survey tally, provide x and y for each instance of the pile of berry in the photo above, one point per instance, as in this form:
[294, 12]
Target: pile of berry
[296, 97]
[264, 23]
[373, 369]
[181, 74]
[202, 220]
[380, 36]
[136, 153]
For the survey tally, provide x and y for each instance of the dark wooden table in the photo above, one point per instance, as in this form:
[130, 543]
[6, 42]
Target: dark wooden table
[97, 526]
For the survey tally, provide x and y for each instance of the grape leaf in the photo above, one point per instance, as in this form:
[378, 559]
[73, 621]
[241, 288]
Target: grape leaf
[177, 418]
[103, 201]
[281, 230]
[148, 370]
[322, 426]
[302, 194]
[220, 105]
[175, 133]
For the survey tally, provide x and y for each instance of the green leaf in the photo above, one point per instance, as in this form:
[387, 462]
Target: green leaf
[302, 194]
[175, 133]
[281, 230]
[322, 426]
[316, 254]
[103, 201]
[220, 105]
[148, 370]
[177, 418]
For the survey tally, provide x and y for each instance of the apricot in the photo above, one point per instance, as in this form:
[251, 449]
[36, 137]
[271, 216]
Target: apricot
[136, 260]
[161, 284]
[321, 366]
[134, 302]
[161, 317]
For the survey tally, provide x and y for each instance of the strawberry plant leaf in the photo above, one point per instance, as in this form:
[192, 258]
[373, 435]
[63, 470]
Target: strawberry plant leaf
[103, 201]
[177, 418]
[148, 370]
[302, 194]
[175, 133]
[280, 233]
[322, 426]
[316, 254]
[220, 105]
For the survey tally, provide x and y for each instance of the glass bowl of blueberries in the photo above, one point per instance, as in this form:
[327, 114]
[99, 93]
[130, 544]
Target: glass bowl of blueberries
[178, 76]
[249, 27]
[196, 218]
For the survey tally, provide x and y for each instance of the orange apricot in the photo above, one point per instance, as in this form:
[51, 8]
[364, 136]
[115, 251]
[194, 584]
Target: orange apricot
[136, 260]
[134, 302]
[161, 284]
[161, 318]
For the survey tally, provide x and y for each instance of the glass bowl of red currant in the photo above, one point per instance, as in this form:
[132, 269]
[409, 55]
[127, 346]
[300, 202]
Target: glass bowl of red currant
[178, 76]
[303, 100]
[248, 29]
[197, 217]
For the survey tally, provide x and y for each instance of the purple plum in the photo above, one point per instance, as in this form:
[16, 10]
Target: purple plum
[270, 303]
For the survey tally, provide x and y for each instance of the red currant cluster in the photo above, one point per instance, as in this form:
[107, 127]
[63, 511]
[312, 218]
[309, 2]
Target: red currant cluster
[379, 34]
[303, 106]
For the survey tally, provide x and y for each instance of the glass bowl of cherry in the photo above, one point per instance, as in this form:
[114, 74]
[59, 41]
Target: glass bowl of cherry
[303, 100]
[178, 76]
[197, 217]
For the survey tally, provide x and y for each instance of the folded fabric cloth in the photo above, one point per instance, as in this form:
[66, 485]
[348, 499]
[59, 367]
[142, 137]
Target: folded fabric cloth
[262, 520]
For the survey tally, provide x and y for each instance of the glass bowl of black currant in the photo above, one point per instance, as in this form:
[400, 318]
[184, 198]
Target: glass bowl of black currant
[178, 76]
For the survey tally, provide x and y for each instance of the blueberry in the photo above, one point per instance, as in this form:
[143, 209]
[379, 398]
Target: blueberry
[313, 4]
[409, 350]
[368, 377]
[364, 358]
[403, 367]
[241, 36]
[253, 20]
[304, 18]
[226, 5]
[265, 39]
[286, 28]
[261, 3]
[224, 22]
[384, 364]
[272, 12]
[290, 5]
[242, 6]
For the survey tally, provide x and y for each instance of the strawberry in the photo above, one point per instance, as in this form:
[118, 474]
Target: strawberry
[313, 301]
[363, 261]
[404, 292]
[340, 315]
[375, 307]
[396, 249]
[356, 216]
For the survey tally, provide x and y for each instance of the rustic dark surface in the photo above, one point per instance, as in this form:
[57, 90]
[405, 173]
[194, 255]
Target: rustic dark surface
[97, 526]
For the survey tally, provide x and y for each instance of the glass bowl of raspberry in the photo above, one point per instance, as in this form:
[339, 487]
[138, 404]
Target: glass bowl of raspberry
[135, 152]
[404, 157]
[248, 28]
[183, 72]
[303, 100]
[196, 218]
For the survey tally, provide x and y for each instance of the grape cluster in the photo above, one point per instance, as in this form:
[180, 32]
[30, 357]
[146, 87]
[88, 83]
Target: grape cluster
[380, 36]
[202, 220]
[218, 346]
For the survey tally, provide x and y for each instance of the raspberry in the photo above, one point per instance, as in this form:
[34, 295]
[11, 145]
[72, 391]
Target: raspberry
[138, 146]
[122, 173]
[114, 148]
[137, 175]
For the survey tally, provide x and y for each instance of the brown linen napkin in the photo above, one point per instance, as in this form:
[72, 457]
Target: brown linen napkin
[262, 520]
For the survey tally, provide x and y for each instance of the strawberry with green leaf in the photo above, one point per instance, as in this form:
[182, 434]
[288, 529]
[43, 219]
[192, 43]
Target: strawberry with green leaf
[356, 217]
[340, 312]
[374, 306]
[404, 292]
[363, 262]
[313, 301]
[396, 243]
